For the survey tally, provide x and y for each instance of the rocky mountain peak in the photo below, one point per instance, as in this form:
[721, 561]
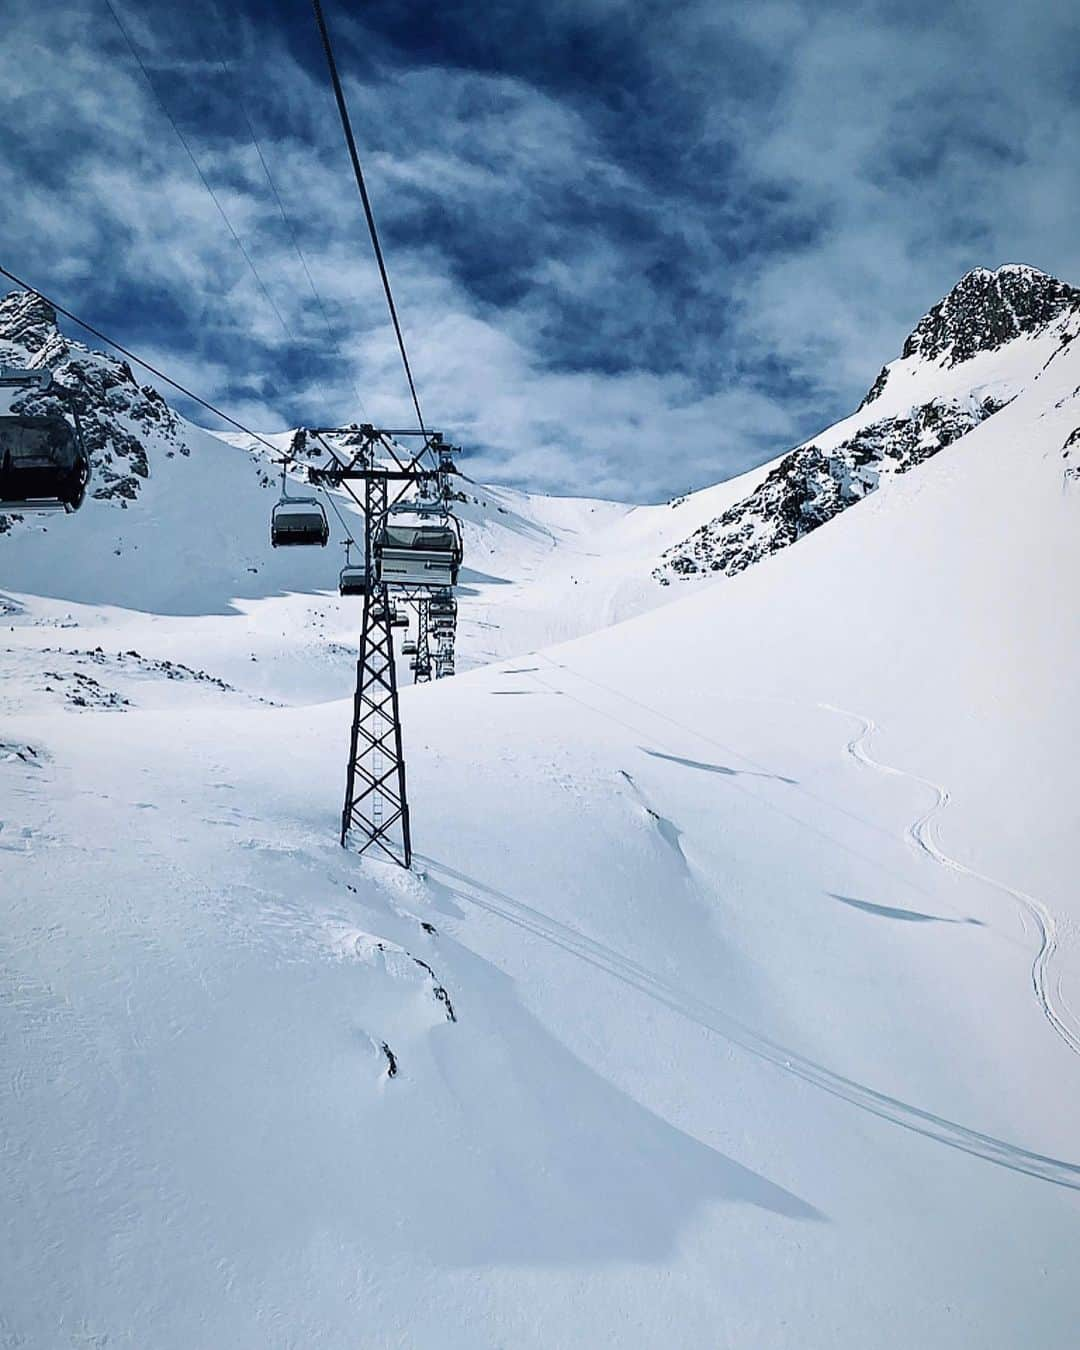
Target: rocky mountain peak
[986, 309]
[28, 324]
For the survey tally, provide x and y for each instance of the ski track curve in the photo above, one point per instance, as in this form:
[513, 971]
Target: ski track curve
[1046, 984]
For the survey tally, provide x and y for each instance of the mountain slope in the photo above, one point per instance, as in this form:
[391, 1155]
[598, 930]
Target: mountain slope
[985, 342]
[540, 569]
[732, 1002]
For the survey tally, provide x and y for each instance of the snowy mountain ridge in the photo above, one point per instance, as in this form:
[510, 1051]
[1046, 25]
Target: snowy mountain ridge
[986, 309]
[965, 359]
[972, 353]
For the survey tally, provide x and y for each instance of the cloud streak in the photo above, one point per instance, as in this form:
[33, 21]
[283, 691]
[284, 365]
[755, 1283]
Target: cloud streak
[636, 249]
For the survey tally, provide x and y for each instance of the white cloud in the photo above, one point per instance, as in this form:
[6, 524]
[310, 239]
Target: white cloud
[572, 321]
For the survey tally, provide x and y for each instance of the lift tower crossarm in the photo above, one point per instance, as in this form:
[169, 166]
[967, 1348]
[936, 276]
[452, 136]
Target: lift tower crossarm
[334, 477]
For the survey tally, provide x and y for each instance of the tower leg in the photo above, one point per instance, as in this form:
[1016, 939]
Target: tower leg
[376, 813]
[423, 642]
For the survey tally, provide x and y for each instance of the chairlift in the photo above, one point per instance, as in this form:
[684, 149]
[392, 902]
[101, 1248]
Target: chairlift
[442, 604]
[418, 554]
[408, 647]
[352, 579]
[399, 618]
[442, 613]
[298, 520]
[43, 461]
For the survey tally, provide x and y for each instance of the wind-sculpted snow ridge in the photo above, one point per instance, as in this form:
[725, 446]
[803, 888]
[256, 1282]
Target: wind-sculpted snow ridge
[951, 1133]
[123, 422]
[997, 317]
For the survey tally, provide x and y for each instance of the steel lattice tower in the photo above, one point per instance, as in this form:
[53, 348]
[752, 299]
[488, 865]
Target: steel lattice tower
[375, 802]
[376, 810]
[423, 646]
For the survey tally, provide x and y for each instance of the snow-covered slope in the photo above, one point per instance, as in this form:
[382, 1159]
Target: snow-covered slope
[982, 345]
[539, 569]
[734, 1000]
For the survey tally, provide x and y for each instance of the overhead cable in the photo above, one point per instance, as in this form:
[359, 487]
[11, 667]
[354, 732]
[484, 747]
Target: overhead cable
[358, 173]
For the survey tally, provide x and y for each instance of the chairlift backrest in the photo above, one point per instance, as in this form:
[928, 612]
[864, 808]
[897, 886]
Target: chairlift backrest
[422, 538]
[418, 554]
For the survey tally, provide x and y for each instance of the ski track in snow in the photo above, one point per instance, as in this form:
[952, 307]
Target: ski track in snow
[1047, 986]
[991, 1149]
[905, 1114]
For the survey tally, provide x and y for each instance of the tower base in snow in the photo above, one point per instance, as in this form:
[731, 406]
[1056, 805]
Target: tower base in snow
[376, 813]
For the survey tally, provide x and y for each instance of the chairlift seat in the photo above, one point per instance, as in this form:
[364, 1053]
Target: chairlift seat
[43, 464]
[352, 580]
[408, 647]
[298, 520]
[418, 555]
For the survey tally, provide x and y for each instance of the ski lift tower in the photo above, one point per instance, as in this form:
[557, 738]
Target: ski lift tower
[376, 811]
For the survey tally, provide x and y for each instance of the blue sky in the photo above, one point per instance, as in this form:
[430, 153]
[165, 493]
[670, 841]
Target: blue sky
[637, 247]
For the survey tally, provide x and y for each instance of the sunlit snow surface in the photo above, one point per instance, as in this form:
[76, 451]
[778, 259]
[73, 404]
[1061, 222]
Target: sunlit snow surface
[754, 920]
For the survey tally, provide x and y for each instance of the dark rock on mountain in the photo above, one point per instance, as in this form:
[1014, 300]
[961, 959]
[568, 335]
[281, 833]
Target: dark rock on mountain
[984, 310]
[876, 388]
[1070, 452]
[307, 444]
[810, 486]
